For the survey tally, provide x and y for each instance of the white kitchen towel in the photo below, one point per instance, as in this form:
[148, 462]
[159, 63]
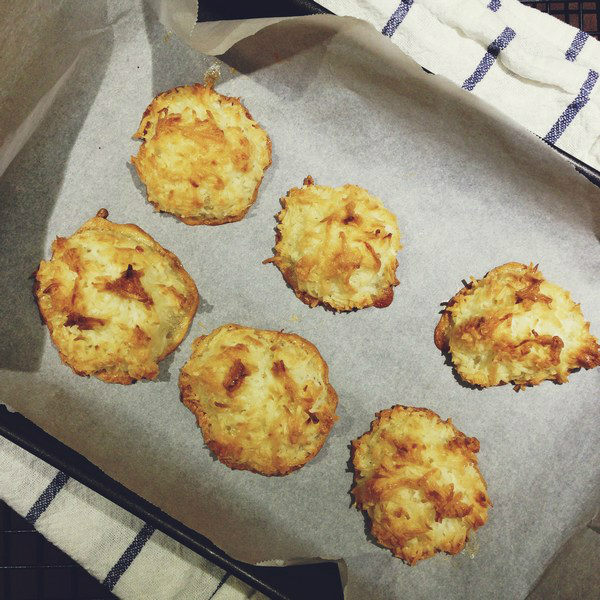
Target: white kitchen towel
[531, 66]
[130, 557]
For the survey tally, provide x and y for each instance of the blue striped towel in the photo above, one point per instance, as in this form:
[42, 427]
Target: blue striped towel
[534, 68]
[130, 557]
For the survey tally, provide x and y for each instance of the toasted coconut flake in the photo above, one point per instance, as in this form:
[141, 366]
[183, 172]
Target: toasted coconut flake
[261, 398]
[515, 327]
[114, 300]
[337, 247]
[417, 478]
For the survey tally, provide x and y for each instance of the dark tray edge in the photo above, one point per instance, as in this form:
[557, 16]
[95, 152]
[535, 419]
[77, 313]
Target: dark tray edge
[19, 430]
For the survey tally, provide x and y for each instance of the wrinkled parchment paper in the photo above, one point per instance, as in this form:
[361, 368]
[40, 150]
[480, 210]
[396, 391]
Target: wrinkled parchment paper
[471, 191]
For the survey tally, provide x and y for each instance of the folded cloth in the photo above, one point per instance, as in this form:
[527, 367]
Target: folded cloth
[131, 558]
[531, 66]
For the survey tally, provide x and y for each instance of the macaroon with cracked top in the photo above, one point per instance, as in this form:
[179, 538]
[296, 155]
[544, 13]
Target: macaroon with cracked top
[514, 326]
[261, 398]
[114, 300]
[337, 247]
[202, 157]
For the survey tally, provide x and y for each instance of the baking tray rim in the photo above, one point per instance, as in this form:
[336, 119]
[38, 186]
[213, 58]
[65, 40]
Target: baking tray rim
[24, 433]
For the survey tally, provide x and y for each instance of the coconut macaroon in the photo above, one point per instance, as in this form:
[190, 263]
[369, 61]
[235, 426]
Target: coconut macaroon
[261, 398]
[417, 478]
[203, 157]
[514, 326]
[115, 301]
[337, 246]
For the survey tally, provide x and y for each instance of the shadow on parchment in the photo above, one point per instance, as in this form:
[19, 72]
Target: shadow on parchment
[306, 42]
[131, 453]
[32, 182]
[174, 63]
[462, 130]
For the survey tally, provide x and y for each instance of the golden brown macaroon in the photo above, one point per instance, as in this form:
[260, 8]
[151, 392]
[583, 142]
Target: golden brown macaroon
[115, 301]
[203, 157]
[514, 326]
[417, 478]
[337, 246]
[262, 398]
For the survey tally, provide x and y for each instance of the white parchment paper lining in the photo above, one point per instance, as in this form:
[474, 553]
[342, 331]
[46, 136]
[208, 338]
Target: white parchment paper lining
[471, 191]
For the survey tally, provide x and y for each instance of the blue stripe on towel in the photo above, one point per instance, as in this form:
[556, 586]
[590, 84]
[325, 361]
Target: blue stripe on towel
[397, 18]
[571, 111]
[494, 5]
[223, 580]
[128, 556]
[43, 502]
[500, 43]
[576, 45]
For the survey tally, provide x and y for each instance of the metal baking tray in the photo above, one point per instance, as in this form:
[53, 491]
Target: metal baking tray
[299, 582]
[313, 581]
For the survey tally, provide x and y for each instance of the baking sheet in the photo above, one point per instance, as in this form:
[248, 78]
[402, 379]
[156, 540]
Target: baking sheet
[471, 191]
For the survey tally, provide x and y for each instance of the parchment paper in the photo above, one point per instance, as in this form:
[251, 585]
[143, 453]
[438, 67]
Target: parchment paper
[471, 191]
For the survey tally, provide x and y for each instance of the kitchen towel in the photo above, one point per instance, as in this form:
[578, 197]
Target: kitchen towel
[131, 558]
[536, 69]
